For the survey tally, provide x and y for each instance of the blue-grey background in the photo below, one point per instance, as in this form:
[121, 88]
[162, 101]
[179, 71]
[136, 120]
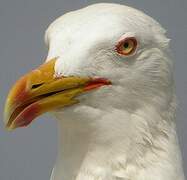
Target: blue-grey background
[29, 153]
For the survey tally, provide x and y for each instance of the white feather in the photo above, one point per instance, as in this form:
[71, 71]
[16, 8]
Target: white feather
[125, 131]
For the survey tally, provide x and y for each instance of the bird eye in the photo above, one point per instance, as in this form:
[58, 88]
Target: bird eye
[126, 46]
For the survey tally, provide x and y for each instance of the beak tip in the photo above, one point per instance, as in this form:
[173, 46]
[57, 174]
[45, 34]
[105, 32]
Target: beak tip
[7, 115]
[9, 128]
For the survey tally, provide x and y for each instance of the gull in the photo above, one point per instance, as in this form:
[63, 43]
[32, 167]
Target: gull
[108, 79]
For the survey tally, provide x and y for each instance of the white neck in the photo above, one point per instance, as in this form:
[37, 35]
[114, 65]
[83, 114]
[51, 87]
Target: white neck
[120, 144]
[73, 144]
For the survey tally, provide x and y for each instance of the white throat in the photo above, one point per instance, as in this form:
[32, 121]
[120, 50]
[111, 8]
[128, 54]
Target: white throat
[119, 145]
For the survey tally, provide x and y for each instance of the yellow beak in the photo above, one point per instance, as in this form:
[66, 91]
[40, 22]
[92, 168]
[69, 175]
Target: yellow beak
[39, 91]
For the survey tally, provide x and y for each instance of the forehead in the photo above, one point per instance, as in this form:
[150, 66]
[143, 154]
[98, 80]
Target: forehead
[94, 21]
[81, 24]
[102, 23]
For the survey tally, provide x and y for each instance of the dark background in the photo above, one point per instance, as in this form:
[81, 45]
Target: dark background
[29, 154]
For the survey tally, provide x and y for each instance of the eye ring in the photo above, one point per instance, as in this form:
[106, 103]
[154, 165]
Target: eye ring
[127, 46]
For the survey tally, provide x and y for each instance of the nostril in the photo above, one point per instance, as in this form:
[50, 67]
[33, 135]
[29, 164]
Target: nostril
[36, 85]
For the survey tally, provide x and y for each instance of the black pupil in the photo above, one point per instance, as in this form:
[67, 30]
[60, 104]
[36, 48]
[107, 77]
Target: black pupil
[126, 45]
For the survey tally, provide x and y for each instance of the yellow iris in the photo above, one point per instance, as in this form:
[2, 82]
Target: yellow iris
[127, 46]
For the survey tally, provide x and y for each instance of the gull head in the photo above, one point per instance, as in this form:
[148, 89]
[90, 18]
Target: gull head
[102, 56]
